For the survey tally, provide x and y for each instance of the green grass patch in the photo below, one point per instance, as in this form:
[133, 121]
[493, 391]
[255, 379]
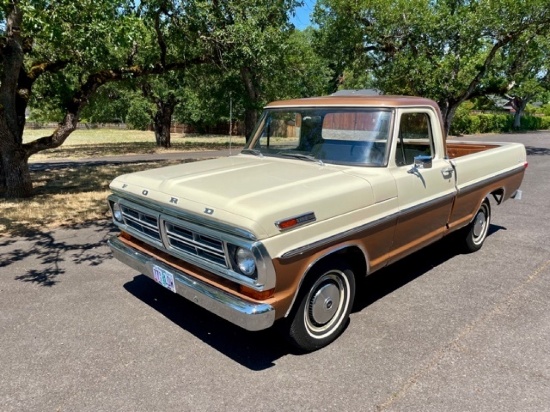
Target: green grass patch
[91, 143]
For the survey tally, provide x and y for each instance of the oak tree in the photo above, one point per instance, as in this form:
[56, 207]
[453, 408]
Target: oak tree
[76, 47]
[437, 49]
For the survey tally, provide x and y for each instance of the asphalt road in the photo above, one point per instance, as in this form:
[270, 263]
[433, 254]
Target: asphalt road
[439, 331]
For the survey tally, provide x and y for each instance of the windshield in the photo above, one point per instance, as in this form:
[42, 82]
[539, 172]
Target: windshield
[331, 135]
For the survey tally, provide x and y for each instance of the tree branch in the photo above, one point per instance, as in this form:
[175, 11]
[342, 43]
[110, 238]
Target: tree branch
[160, 40]
[93, 82]
[37, 69]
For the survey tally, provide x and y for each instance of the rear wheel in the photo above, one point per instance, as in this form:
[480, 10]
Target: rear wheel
[476, 231]
[323, 307]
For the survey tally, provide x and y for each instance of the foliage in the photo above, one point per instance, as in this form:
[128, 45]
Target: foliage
[249, 39]
[523, 71]
[495, 123]
[437, 49]
[535, 122]
[110, 104]
[305, 72]
[56, 55]
[209, 89]
[139, 114]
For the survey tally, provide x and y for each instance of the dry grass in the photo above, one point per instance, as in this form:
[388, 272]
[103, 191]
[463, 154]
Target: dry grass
[112, 142]
[65, 197]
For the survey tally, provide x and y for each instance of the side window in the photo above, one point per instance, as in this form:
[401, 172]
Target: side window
[415, 138]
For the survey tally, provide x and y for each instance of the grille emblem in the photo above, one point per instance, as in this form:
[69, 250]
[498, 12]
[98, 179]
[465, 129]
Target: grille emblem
[209, 211]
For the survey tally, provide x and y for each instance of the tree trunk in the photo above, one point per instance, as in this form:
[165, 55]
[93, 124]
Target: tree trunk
[519, 106]
[15, 180]
[448, 110]
[517, 120]
[251, 106]
[162, 121]
[250, 119]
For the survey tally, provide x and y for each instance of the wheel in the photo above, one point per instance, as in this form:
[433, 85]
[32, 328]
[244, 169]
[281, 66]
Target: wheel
[323, 307]
[476, 231]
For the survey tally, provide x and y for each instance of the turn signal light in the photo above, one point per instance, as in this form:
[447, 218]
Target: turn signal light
[256, 294]
[126, 236]
[296, 221]
[287, 224]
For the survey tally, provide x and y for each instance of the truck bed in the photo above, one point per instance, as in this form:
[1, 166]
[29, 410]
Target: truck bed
[458, 149]
[495, 168]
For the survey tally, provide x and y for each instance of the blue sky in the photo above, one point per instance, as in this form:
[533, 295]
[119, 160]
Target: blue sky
[302, 19]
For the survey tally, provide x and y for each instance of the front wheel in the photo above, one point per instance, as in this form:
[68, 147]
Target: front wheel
[323, 307]
[476, 231]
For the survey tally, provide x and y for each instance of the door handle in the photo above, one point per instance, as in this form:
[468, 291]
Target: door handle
[447, 172]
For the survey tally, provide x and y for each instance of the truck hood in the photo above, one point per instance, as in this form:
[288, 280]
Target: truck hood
[250, 192]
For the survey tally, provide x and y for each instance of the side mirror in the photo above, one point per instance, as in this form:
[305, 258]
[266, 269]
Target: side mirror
[423, 162]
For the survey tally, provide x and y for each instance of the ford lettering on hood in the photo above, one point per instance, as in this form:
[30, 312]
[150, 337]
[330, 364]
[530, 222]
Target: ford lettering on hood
[263, 190]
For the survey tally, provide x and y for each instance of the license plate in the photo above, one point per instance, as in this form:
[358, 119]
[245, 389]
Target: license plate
[164, 278]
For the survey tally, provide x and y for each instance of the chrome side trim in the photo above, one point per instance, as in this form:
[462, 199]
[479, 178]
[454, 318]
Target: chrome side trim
[368, 226]
[338, 237]
[478, 185]
[248, 315]
[426, 205]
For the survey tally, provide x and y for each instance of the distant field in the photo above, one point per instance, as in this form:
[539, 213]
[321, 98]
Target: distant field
[111, 142]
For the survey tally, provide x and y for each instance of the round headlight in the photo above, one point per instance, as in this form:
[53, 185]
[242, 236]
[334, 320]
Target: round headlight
[245, 261]
[117, 213]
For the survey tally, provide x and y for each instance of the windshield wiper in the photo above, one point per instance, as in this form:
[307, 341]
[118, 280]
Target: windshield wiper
[302, 156]
[254, 152]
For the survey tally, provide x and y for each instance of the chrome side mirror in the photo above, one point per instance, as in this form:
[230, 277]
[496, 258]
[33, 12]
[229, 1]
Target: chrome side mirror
[423, 162]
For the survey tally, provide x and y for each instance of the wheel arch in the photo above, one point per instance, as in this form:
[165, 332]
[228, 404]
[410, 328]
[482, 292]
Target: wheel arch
[498, 195]
[355, 256]
[486, 198]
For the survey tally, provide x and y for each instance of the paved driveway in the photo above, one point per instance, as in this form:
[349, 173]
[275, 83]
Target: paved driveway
[439, 331]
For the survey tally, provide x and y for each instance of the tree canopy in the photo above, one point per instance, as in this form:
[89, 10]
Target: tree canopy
[71, 49]
[437, 49]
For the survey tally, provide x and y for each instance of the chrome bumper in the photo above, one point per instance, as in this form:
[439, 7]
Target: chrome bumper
[248, 315]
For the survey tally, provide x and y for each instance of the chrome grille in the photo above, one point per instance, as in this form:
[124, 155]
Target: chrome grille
[144, 223]
[184, 239]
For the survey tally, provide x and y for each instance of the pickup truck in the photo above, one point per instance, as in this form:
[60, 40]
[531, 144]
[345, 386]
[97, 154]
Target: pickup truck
[326, 191]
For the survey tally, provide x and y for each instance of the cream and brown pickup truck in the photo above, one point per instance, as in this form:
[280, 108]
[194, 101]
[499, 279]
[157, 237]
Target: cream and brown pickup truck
[327, 190]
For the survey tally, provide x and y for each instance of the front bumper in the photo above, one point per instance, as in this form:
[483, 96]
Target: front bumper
[248, 315]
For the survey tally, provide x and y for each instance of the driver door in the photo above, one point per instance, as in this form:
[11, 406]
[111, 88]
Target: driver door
[425, 192]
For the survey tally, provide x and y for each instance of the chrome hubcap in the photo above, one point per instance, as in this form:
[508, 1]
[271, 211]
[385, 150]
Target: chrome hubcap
[324, 304]
[479, 224]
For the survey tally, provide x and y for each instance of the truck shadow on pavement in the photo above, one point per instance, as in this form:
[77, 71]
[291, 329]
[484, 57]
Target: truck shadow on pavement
[254, 350]
[393, 277]
[259, 350]
[46, 252]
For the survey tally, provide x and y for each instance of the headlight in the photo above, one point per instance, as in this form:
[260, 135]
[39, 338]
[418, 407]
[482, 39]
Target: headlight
[245, 261]
[117, 213]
